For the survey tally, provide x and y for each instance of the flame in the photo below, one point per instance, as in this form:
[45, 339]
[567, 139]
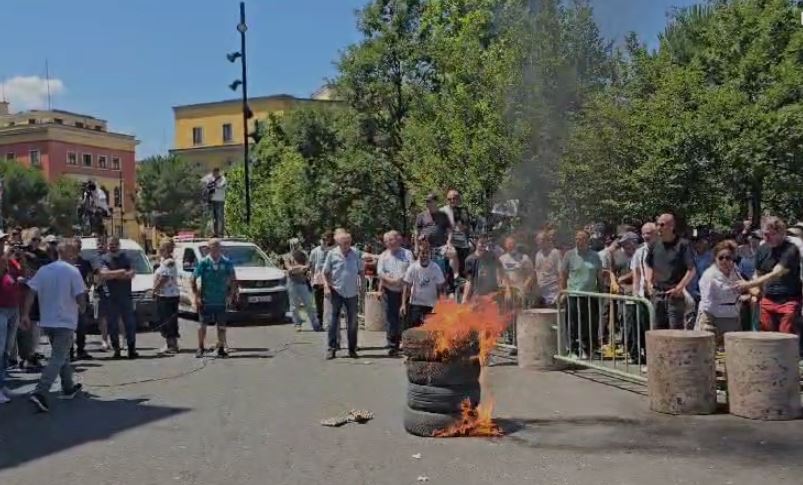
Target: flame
[455, 327]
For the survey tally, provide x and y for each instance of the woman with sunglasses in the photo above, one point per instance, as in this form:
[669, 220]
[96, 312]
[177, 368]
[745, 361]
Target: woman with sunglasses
[719, 295]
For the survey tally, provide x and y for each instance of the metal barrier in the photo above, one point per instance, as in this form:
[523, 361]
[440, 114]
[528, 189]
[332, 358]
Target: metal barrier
[605, 332]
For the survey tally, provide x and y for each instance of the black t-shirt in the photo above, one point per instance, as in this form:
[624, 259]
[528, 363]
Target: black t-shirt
[85, 268]
[788, 286]
[117, 288]
[669, 262]
[435, 225]
[483, 272]
[299, 258]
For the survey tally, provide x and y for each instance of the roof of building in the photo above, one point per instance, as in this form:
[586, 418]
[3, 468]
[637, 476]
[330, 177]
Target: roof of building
[240, 100]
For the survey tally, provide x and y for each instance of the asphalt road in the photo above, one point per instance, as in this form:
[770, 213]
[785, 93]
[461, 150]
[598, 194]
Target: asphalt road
[254, 419]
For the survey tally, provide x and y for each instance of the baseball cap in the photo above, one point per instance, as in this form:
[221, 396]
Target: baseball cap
[629, 236]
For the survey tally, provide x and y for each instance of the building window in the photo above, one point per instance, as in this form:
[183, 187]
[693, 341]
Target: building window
[98, 128]
[58, 121]
[103, 161]
[118, 199]
[12, 123]
[87, 159]
[226, 132]
[10, 156]
[34, 158]
[197, 135]
[78, 124]
[32, 121]
[72, 158]
[115, 163]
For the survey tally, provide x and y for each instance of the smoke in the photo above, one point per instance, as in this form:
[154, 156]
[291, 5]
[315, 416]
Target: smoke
[29, 92]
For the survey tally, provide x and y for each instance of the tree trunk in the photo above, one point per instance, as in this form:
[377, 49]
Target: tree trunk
[403, 204]
[754, 211]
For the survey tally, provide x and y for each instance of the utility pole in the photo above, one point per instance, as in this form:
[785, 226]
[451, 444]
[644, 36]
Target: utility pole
[247, 113]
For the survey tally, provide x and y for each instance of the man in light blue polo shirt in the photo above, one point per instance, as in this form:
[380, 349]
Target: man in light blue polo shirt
[342, 271]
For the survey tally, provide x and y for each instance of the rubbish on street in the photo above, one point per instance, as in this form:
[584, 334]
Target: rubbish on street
[417, 456]
[353, 416]
[422, 478]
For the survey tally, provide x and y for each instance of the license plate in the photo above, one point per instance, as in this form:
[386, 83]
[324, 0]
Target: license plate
[260, 299]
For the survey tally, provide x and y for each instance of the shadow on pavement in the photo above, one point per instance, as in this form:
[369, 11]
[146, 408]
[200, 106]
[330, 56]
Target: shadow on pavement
[702, 436]
[26, 436]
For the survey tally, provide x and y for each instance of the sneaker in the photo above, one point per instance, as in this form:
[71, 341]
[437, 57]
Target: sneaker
[221, 353]
[298, 328]
[199, 353]
[33, 365]
[104, 347]
[393, 352]
[132, 354]
[116, 354]
[84, 356]
[353, 354]
[40, 402]
[330, 354]
[4, 399]
[166, 350]
[72, 392]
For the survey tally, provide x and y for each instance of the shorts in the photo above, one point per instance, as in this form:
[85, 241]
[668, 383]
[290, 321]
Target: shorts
[213, 315]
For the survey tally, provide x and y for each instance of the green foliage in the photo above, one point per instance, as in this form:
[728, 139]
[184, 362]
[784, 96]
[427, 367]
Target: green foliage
[169, 193]
[62, 200]
[25, 194]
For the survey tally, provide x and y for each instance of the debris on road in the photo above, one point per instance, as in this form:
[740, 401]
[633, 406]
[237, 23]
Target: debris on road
[354, 416]
[422, 478]
[417, 456]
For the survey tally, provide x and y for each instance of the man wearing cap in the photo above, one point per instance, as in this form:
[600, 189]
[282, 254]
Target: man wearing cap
[437, 227]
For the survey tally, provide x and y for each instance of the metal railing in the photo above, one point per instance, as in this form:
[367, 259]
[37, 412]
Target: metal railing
[605, 332]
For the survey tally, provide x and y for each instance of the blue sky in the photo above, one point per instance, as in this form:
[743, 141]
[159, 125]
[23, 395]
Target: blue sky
[130, 61]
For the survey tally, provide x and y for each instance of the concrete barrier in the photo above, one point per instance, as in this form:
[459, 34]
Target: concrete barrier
[374, 312]
[763, 375]
[681, 371]
[537, 339]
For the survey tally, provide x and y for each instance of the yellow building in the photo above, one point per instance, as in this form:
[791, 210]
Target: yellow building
[210, 135]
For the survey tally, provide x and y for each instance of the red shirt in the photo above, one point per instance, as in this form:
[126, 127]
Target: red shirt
[10, 290]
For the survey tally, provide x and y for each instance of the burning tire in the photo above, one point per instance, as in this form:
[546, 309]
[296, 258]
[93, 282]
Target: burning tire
[444, 400]
[452, 373]
[423, 423]
[419, 345]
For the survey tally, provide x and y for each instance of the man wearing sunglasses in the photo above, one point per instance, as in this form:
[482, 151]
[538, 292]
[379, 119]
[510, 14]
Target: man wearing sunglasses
[669, 269]
[778, 276]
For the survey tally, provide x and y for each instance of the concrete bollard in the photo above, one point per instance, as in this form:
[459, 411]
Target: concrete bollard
[763, 375]
[537, 339]
[374, 312]
[681, 371]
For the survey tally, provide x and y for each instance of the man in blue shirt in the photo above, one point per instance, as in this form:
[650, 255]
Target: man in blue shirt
[218, 288]
[390, 269]
[342, 271]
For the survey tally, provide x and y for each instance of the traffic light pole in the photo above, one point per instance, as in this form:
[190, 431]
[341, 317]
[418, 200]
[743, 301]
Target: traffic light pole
[242, 28]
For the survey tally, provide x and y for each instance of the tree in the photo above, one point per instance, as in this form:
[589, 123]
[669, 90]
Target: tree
[62, 200]
[169, 195]
[25, 193]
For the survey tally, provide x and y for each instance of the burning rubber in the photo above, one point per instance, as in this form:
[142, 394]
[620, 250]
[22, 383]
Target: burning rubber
[444, 370]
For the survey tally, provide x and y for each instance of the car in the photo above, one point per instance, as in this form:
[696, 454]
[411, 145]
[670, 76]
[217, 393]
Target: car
[141, 285]
[262, 286]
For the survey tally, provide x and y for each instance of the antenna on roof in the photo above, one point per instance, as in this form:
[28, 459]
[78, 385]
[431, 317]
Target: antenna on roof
[47, 77]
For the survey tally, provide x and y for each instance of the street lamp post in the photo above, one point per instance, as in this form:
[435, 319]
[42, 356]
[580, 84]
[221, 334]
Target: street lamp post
[247, 114]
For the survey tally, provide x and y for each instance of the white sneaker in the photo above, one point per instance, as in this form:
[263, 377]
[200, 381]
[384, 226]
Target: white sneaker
[4, 399]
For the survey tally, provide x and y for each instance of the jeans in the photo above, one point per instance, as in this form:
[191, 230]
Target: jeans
[167, 313]
[393, 301]
[61, 340]
[299, 294]
[669, 312]
[350, 304]
[218, 223]
[122, 309]
[8, 323]
[583, 324]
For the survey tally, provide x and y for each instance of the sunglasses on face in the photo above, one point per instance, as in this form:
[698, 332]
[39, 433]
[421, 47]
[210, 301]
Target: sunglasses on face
[725, 257]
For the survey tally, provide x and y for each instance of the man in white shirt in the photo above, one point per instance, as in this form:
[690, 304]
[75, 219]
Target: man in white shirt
[61, 290]
[215, 188]
[547, 268]
[424, 282]
[391, 268]
[637, 333]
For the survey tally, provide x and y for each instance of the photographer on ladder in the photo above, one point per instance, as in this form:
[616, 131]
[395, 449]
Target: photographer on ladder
[215, 195]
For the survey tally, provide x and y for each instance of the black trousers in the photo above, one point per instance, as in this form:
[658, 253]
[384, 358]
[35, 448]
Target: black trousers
[167, 313]
[318, 292]
[416, 314]
[80, 331]
[583, 323]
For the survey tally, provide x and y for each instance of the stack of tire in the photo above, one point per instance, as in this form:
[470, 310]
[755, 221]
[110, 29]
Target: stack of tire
[437, 386]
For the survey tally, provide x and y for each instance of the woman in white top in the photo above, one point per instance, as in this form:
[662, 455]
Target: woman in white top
[165, 288]
[719, 296]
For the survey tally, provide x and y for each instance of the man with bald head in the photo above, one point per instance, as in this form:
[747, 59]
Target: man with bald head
[669, 269]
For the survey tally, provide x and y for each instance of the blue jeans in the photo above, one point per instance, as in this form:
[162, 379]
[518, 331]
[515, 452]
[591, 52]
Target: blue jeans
[393, 301]
[218, 214]
[8, 322]
[121, 309]
[350, 304]
[61, 340]
[299, 294]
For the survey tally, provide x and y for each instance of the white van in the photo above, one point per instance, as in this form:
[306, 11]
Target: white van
[141, 285]
[263, 286]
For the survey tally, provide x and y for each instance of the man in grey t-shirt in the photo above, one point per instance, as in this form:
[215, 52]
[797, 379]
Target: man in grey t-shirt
[342, 270]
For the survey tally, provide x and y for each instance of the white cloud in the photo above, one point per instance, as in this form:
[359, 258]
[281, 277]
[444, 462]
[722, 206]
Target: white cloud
[29, 92]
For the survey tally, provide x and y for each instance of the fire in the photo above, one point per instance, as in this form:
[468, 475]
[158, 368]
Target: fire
[455, 327]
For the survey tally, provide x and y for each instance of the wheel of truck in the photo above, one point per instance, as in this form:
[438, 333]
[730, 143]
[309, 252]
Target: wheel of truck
[445, 400]
[450, 373]
[422, 423]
